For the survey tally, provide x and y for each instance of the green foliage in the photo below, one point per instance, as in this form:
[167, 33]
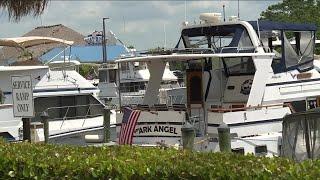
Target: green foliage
[25, 55]
[130, 47]
[86, 69]
[295, 11]
[40, 161]
[177, 65]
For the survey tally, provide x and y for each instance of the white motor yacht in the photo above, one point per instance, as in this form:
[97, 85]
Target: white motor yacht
[236, 77]
[69, 99]
[10, 126]
[134, 78]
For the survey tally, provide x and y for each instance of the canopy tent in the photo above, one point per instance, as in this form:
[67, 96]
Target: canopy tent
[25, 42]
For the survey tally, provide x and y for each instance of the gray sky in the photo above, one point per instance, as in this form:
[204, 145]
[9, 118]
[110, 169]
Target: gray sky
[138, 23]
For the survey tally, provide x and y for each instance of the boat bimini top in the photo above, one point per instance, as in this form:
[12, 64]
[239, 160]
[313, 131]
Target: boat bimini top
[25, 42]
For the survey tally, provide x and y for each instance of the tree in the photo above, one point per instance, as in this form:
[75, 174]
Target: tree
[301, 11]
[18, 8]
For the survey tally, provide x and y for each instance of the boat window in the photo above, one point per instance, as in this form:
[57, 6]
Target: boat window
[112, 75]
[2, 97]
[103, 75]
[223, 39]
[293, 49]
[299, 49]
[132, 86]
[238, 150]
[235, 66]
[299, 106]
[7, 136]
[124, 66]
[312, 103]
[68, 107]
[180, 44]
[261, 150]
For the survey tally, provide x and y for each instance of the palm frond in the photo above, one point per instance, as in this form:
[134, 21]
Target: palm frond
[18, 8]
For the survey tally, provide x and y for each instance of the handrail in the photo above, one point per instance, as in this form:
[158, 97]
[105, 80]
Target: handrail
[86, 116]
[57, 86]
[56, 55]
[65, 117]
[250, 107]
[238, 48]
[4, 106]
[61, 107]
[143, 53]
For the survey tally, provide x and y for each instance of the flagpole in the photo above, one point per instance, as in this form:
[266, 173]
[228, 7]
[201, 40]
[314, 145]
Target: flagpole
[119, 90]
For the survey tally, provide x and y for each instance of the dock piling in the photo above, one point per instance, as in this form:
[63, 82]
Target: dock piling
[45, 120]
[106, 124]
[224, 138]
[26, 129]
[188, 135]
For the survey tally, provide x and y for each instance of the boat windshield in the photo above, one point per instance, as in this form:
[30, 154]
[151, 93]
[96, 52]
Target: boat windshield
[235, 66]
[223, 39]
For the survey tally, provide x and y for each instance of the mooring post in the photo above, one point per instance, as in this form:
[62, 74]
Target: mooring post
[26, 129]
[106, 124]
[224, 138]
[188, 135]
[45, 120]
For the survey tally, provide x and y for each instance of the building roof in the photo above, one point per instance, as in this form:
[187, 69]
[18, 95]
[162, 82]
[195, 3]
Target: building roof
[84, 54]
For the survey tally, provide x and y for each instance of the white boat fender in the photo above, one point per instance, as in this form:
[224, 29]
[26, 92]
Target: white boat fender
[93, 138]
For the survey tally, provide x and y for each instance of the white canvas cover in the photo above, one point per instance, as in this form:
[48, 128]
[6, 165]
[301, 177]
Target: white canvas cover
[301, 136]
[29, 41]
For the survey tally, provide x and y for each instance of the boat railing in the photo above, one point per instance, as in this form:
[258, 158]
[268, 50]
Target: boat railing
[175, 99]
[249, 49]
[300, 88]
[6, 106]
[224, 110]
[142, 53]
[57, 86]
[66, 66]
[74, 112]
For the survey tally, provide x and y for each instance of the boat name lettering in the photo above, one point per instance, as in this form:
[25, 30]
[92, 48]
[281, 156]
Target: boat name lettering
[157, 128]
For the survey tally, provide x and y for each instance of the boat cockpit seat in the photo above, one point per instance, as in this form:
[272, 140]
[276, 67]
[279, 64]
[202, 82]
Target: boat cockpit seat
[161, 107]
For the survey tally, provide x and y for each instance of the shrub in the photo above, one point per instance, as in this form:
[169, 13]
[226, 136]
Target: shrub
[40, 161]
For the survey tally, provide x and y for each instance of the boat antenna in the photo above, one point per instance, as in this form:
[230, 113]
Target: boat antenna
[258, 28]
[185, 10]
[238, 10]
[124, 25]
[165, 36]
[224, 13]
